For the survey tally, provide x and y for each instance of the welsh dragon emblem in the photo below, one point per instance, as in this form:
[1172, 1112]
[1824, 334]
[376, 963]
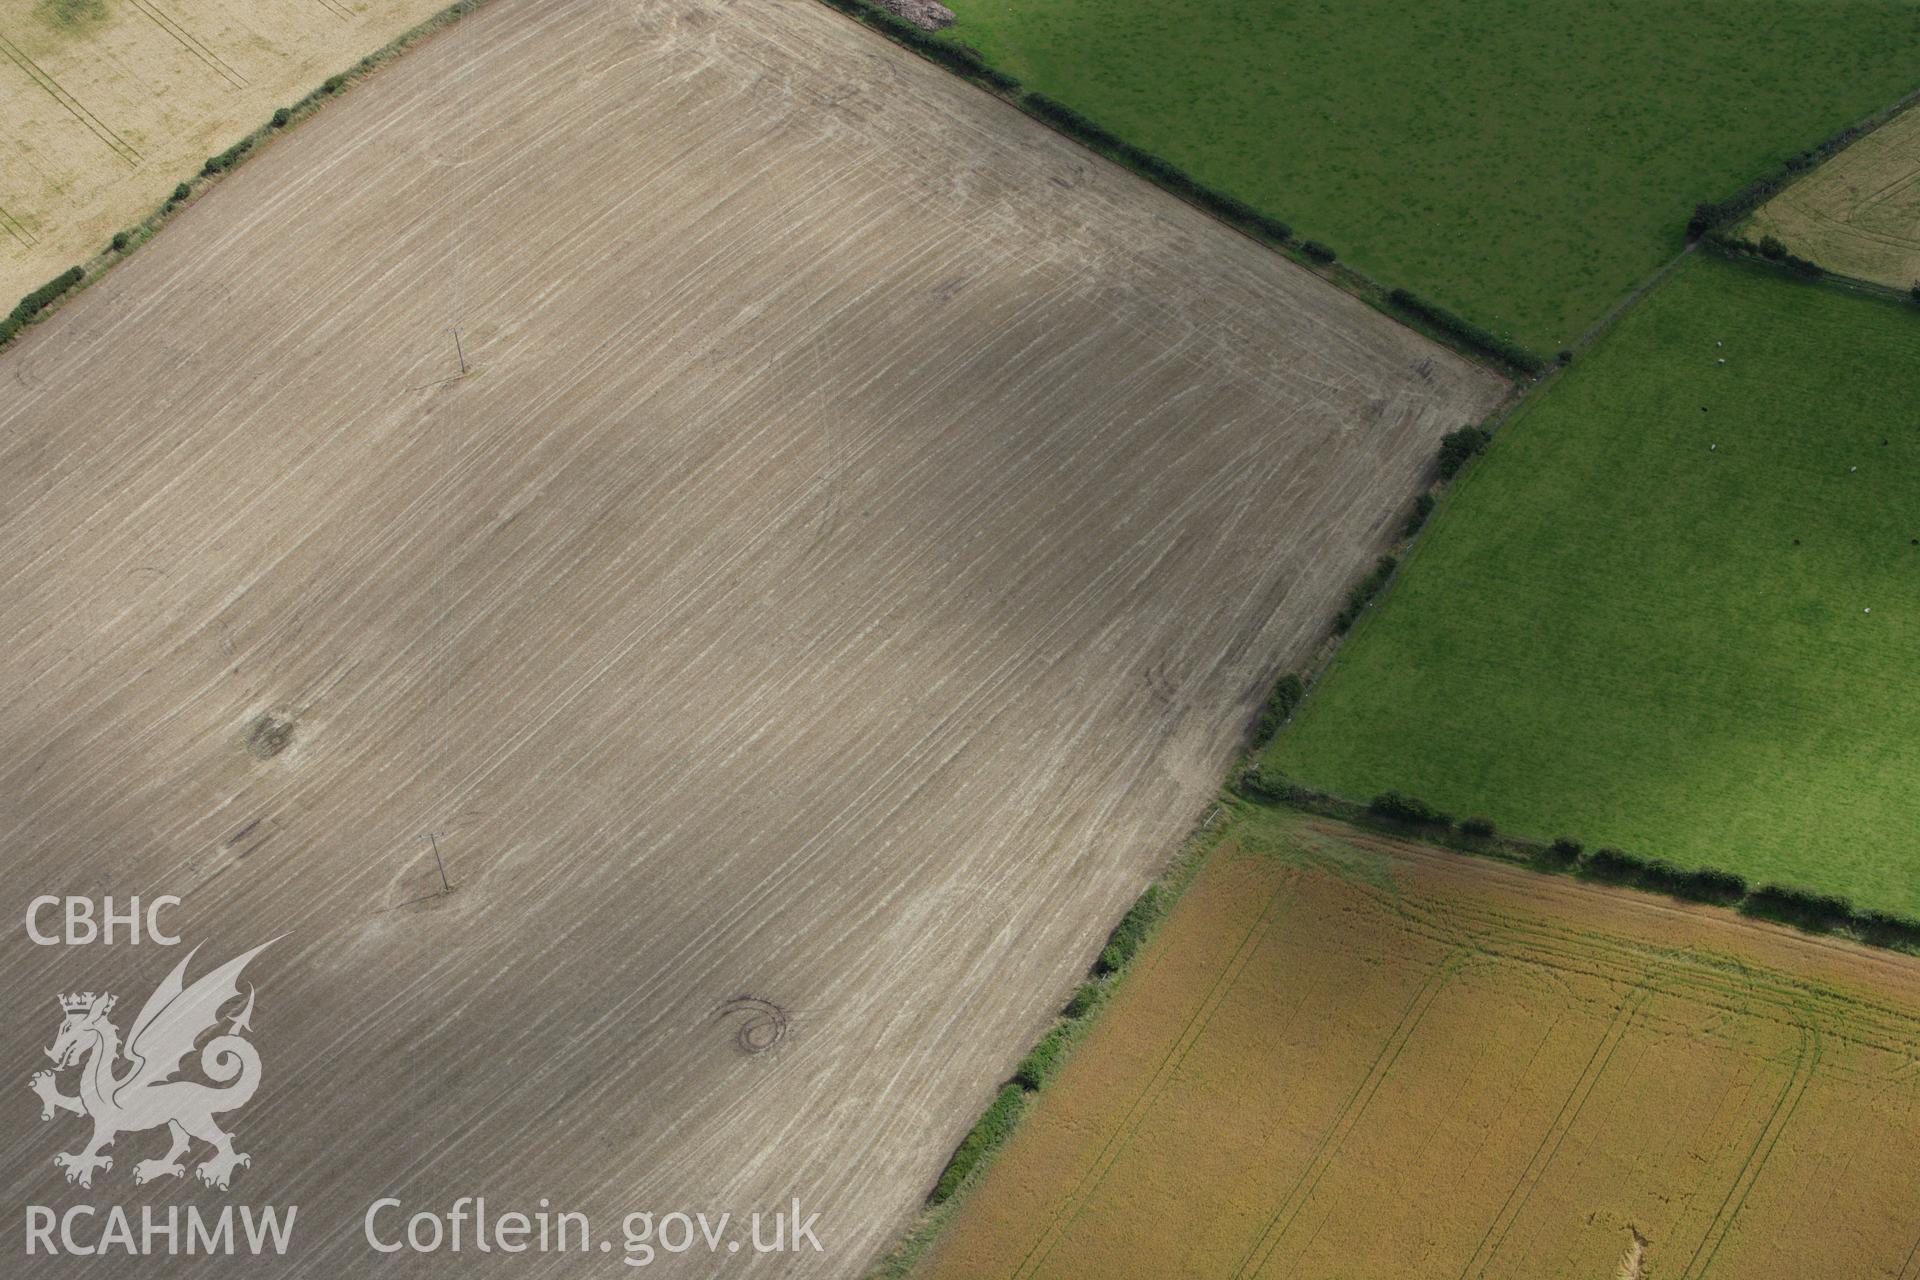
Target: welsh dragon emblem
[144, 1095]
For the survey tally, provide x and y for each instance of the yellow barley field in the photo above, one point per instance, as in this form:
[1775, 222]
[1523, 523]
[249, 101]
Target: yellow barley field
[1346, 1057]
[108, 103]
[1859, 214]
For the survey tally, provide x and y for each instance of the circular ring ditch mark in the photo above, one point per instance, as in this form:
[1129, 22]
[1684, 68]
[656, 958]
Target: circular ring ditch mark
[758, 1025]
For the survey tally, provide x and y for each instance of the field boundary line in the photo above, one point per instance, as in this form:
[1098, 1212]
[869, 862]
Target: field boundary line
[76, 108]
[1202, 842]
[1745, 253]
[1342, 275]
[1122, 1134]
[190, 42]
[1853, 1017]
[1882, 931]
[136, 235]
[1833, 146]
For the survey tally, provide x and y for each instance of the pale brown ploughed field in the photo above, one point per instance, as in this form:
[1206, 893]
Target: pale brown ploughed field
[863, 531]
[1347, 1058]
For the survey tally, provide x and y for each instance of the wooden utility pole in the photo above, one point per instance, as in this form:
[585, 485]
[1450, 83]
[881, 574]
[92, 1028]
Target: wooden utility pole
[445, 887]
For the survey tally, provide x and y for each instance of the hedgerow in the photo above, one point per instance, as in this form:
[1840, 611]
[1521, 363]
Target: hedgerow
[1043, 1059]
[1816, 912]
[1813, 912]
[1769, 250]
[1396, 807]
[992, 1129]
[1717, 215]
[1562, 855]
[39, 300]
[948, 53]
[1363, 593]
[1286, 695]
[1465, 331]
[1417, 518]
[228, 158]
[1227, 208]
[1457, 448]
[1085, 997]
[1129, 933]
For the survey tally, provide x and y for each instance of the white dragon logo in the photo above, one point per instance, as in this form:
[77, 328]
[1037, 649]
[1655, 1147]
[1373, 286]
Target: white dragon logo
[145, 1096]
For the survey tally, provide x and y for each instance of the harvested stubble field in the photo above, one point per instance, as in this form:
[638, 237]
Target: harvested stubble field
[108, 103]
[1859, 213]
[1349, 1057]
[863, 532]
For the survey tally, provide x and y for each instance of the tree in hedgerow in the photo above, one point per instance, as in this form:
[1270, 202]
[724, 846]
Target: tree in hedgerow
[1458, 446]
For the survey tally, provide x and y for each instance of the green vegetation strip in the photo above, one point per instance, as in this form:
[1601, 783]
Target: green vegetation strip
[1673, 608]
[1408, 817]
[1010, 1103]
[42, 300]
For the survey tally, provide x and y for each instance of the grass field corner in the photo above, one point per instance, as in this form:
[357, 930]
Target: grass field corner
[1523, 165]
[1674, 606]
[1858, 214]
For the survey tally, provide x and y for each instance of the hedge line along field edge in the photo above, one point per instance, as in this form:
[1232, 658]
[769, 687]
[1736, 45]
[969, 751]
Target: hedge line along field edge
[42, 302]
[1755, 308]
[1012, 1098]
[1397, 814]
[1424, 317]
[1388, 814]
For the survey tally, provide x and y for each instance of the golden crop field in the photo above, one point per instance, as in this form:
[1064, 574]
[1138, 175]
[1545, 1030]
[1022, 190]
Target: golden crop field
[1859, 213]
[1348, 1057]
[106, 104]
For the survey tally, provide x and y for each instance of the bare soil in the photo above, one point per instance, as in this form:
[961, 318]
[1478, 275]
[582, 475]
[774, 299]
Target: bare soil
[862, 532]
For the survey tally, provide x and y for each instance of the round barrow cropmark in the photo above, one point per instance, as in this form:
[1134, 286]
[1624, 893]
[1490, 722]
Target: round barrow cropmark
[758, 1025]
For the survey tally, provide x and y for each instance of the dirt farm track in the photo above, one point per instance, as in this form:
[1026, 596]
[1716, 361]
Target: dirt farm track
[862, 532]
